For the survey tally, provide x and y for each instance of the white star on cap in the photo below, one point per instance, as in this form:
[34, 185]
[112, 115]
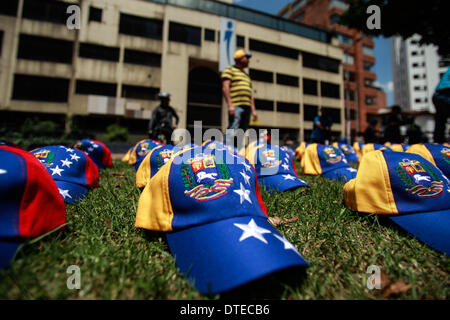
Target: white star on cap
[252, 230]
[95, 145]
[3, 171]
[66, 163]
[74, 157]
[90, 149]
[244, 194]
[352, 169]
[64, 193]
[285, 166]
[288, 177]
[56, 170]
[246, 177]
[247, 167]
[287, 244]
[70, 150]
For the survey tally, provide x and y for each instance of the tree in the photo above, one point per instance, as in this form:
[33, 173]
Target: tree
[429, 19]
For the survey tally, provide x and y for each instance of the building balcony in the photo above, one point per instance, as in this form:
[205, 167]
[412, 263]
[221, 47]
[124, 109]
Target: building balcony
[339, 4]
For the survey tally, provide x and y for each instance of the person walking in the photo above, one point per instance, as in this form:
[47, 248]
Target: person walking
[322, 127]
[161, 122]
[441, 101]
[238, 93]
[371, 133]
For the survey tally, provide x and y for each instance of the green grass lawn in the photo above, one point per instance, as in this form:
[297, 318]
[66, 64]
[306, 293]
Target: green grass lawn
[118, 261]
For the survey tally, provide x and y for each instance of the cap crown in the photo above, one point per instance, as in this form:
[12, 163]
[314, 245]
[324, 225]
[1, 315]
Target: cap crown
[67, 164]
[30, 204]
[437, 154]
[397, 183]
[97, 151]
[270, 160]
[319, 159]
[197, 187]
[141, 149]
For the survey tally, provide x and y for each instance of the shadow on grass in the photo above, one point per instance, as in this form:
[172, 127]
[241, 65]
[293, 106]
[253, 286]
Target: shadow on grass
[273, 286]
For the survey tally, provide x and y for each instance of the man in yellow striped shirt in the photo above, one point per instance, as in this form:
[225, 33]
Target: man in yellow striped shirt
[237, 89]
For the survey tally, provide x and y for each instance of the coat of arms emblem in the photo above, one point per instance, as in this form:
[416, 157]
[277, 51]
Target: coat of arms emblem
[270, 158]
[332, 155]
[419, 179]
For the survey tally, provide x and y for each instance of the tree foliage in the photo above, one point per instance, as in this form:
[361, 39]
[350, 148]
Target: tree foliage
[429, 19]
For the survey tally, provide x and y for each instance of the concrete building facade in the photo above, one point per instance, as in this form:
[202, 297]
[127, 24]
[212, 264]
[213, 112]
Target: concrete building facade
[416, 72]
[126, 51]
[363, 98]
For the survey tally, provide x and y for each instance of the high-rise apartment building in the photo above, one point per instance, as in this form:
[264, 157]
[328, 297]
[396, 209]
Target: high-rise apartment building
[416, 72]
[362, 97]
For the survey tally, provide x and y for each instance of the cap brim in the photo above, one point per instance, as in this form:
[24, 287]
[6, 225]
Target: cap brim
[75, 192]
[340, 174]
[432, 227]
[220, 256]
[278, 183]
[7, 252]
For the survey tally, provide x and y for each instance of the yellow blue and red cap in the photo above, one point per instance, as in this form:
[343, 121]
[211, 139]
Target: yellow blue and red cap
[73, 170]
[212, 144]
[408, 189]
[300, 150]
[437, 154]
[97, 151]
[140, 150]
[208, 202]
[275, 168]
[327, 161]
[30, 204]
[348, 151]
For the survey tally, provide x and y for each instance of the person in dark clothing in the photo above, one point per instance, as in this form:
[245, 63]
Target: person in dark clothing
[322, 127]
[441, 101]
[414, 133]
[371, 133]
[393, 123]
[161, 121]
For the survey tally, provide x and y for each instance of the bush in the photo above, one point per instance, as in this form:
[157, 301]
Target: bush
[116, 133]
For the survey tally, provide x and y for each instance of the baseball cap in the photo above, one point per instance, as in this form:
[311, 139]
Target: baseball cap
[437, 154]
[327, 161]
[275, 168]
[97, 151]
[289, 150]
[399, 147]
[140, 150]
[409, 190]
[300, 151]
[358, 148]
[30, 204]
[348, 151]
[241, 53]
[212, 144]
[73, 171]
[369, 147]
[216, 222]
[126, 157]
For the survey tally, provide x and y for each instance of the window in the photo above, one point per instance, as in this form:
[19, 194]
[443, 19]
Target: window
[348, 58]
[416, 76]
[139, 92]
[288, 107]
[352, 114]
[368, 51]
[9, 7]
[140, 27]
[95, 14]
[330, 90]
[415, 65]
[351, 75]
[93, 51]
[345, 39]
[367, 65]
[310, 86]
[96, 88]
[273, 49]
[334, 113]
[46, 10]
[443, 63]
[240, 41]
[259, 75]
[183, 33]
[300, 17]
[310, 112]
[264, 104]
[210, 35]
[368, 83]
[287, 80]
[142, 58]
[35, 88]
[370, 101]
[335, 19]
[321, 63]
[414, 53]
[350, 94]
[418, 100]
[44, 49]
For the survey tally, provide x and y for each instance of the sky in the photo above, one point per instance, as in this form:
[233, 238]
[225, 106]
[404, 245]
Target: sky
[382, 66]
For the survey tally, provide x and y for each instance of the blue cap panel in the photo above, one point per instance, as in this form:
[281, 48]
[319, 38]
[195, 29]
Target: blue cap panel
[160, 157]
[417, 185]
[63, 164]
[94, 151]
[71, 192]
[341, 174]
[13, 179]
[348, 152]
[272, 160]
[330, 158]
[203, 188]
[229, 253]
[144, 148]
[441, 156]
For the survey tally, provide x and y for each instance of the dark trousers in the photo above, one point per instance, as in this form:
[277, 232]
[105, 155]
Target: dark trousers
[240, 120]
[441, 101]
